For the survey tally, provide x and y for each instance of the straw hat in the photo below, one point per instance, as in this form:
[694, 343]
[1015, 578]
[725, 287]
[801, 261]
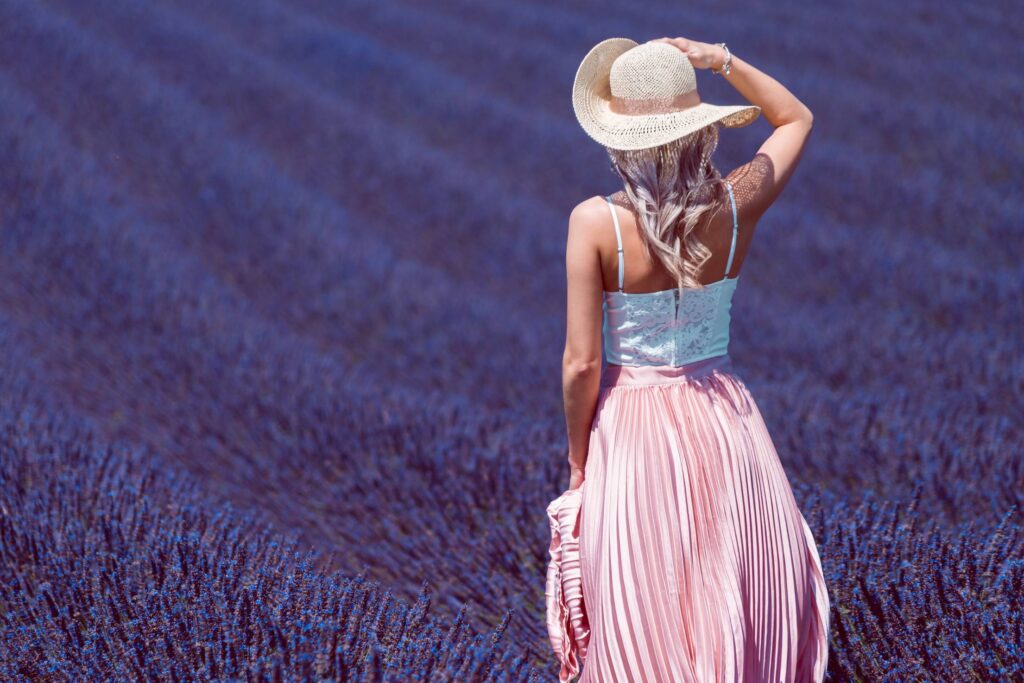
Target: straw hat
[630, 96]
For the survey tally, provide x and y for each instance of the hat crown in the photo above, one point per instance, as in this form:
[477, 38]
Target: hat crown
[651, 70]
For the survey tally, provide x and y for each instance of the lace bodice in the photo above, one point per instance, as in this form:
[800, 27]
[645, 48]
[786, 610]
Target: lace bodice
[664, 327]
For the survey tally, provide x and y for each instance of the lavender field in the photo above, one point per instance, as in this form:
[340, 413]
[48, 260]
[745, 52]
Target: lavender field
[282, 313]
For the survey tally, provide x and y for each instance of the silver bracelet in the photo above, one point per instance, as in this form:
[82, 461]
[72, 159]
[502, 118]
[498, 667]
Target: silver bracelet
[727, 64]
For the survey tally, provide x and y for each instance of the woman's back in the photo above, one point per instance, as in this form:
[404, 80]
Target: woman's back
[751, 188]
[651, 324]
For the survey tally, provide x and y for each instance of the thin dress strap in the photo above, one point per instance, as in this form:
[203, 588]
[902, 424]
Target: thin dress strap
[735, 229]
[618, 239]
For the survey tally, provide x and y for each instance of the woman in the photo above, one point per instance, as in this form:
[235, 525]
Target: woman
[694, 560]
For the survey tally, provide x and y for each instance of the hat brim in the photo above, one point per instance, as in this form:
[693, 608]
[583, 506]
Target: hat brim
[591, 101]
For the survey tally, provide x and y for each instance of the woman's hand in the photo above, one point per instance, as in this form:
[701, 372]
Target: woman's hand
[701, 55]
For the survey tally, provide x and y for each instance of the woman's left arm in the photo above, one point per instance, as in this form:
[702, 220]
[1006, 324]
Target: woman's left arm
[581, 361]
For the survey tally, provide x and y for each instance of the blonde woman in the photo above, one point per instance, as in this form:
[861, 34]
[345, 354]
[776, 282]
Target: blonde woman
[693, 560]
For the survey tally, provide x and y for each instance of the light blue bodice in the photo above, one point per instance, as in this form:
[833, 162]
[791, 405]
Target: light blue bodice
[664, 328]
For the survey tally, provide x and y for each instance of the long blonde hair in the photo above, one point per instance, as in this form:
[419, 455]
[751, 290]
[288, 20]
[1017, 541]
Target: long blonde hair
[671, 187]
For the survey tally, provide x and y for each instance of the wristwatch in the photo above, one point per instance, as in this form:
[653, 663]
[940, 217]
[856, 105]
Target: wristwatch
[727, 64]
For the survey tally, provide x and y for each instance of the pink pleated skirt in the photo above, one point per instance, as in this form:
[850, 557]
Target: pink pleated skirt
[697, 565]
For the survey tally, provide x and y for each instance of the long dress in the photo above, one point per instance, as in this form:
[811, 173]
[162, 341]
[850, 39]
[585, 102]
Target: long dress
[696, 563]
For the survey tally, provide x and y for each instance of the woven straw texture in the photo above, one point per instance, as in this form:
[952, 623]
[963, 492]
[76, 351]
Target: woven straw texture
[621, 67]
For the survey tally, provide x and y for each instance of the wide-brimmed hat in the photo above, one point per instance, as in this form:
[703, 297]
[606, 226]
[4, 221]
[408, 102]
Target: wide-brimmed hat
[632, 96]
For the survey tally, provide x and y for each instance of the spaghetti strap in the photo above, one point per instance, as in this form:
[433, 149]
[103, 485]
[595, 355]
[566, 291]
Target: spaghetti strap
[618, 239]
[735, 229]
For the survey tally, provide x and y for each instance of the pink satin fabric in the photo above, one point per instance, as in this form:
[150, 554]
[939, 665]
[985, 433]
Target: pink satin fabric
[568, 629]
[694, 562]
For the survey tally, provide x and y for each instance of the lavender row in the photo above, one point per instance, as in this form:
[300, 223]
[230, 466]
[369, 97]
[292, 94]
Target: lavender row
[113, 567]
[136, 335]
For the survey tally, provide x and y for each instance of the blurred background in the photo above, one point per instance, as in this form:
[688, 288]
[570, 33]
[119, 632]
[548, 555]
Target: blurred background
[282, 304]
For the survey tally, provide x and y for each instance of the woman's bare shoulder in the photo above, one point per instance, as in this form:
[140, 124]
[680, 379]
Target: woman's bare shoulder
[592, 211]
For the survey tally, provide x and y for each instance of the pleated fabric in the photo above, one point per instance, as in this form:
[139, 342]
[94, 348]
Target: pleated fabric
[568, 629]
[696, 563]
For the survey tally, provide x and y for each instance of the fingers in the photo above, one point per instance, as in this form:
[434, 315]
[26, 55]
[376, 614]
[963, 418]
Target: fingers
[682, 43]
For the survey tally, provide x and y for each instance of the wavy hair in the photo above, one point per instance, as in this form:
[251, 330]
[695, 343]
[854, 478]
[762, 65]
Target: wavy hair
[671, 187]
